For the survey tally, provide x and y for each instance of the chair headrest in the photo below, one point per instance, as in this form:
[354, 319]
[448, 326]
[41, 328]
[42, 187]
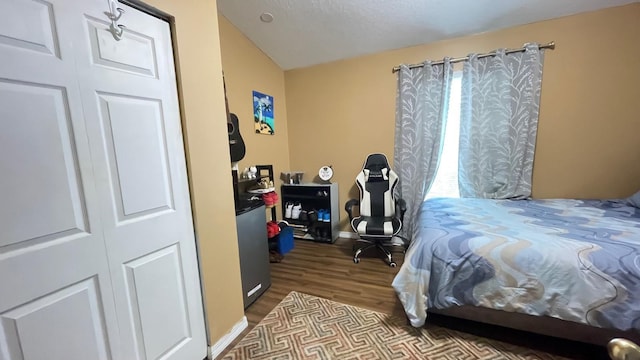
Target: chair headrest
[376, 168]
[376, 161]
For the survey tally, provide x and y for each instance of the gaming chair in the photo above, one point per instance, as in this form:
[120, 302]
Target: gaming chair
[381, 214]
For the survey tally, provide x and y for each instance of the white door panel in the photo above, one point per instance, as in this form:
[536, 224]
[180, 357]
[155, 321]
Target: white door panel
[43, 161]
[33, 331]
[149, 297]
[129, 88]
[54, 275]
[36, 270]
[134, 53]
[29, 25]
[135, 140]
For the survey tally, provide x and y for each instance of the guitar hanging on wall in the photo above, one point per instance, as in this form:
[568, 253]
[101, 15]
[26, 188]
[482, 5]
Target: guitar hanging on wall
[236, 144]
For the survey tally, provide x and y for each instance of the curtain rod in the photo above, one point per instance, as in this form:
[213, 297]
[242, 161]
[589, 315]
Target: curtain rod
[551, 45]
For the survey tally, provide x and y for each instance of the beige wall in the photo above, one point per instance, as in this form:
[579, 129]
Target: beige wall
[247, 68]
[587, 142]
[204, 124]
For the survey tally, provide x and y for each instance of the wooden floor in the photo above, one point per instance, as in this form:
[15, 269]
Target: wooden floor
[328, 271]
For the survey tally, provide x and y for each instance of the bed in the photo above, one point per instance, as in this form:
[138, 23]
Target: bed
[558, 267]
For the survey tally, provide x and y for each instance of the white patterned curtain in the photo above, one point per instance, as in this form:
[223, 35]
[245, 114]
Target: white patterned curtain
[421, 112]
[498, 123]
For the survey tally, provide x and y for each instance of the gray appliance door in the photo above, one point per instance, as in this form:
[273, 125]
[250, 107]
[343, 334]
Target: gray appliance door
[254, 254]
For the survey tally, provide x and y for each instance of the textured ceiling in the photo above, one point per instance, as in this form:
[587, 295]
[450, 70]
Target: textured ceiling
[309, 32]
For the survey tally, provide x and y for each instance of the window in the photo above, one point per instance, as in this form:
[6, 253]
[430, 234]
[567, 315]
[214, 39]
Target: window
[446, 181]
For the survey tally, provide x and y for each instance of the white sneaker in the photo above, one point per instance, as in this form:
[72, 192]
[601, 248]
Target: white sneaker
[287, 210]
[295, 211]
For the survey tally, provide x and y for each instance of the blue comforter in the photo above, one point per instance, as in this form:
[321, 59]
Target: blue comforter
[577, 260]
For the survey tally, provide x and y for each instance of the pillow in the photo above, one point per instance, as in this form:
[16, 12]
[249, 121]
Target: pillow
[634, 200]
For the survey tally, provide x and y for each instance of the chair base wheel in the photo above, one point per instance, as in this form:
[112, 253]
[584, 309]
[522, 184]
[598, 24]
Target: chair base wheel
[381, 247]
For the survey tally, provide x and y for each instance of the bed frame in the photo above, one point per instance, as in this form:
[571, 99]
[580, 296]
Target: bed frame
[543, 325]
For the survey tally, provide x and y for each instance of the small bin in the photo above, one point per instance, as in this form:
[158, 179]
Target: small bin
[283, 242]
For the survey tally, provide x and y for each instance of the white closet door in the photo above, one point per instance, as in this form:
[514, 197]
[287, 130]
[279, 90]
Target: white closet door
[56, 299]
[133, 122]
[97, 249]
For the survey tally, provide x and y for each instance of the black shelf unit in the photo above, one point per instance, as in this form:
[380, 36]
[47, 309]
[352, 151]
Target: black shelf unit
[312, 196]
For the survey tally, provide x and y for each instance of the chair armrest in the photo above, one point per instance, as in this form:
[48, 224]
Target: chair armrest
[348, 206]
[401, 208]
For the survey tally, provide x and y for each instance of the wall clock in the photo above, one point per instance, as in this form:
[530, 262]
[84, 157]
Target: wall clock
[325, 173]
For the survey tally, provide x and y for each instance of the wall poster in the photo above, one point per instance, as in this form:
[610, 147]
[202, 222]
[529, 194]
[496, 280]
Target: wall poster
[263, 113]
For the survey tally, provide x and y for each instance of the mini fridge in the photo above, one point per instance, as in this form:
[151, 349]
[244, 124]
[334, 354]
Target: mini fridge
[253, 246]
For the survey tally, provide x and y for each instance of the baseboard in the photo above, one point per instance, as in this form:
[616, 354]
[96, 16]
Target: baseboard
[237, 329]
[347, 235]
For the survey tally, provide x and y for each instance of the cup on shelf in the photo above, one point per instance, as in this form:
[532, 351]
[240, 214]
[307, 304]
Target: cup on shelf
[294, 177]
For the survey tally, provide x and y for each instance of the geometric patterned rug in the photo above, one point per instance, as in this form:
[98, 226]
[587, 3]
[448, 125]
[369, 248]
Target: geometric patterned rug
[308, 327]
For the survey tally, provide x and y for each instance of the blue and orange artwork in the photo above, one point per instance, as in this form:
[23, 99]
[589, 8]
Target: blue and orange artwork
[263, 113]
